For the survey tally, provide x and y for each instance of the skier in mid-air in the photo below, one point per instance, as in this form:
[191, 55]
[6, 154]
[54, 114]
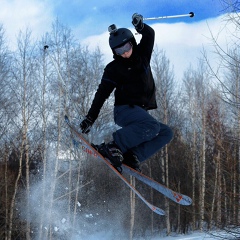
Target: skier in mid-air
[140, 135]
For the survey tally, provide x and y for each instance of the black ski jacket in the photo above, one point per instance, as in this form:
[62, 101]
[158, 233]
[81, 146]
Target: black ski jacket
[130, 77]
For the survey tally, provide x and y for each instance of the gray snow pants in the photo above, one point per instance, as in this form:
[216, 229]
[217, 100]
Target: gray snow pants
[139, 132]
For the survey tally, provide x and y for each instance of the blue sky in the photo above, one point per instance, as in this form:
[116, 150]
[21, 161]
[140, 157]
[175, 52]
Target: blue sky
[182, 39]
[95, 16]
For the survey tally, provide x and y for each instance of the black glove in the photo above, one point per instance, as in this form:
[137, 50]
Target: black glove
[86, 124]
[137, 21]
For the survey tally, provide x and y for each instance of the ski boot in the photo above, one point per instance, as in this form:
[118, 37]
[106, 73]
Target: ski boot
[131, 160]
[112, 152]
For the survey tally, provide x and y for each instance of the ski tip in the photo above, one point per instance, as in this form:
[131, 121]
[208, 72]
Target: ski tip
[155, 209]
[182, 199]
[159, 211]
[188, 200]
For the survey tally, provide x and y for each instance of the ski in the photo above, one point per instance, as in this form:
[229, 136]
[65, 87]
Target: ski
[86, 147]
[167, 192]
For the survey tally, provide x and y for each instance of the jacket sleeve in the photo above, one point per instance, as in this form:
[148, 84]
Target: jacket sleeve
[104, 90]
[147, 42]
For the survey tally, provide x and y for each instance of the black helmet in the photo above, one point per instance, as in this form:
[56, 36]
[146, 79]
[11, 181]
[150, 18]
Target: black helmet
[119, 36]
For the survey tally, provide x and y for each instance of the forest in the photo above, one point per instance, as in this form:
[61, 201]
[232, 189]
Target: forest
[51, 189]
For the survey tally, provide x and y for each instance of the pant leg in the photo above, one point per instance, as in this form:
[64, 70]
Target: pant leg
[147, 149]
[138, 130]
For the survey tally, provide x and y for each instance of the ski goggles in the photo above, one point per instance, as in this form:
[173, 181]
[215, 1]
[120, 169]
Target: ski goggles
[125, 48]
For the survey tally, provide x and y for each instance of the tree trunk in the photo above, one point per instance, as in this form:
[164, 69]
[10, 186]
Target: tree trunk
[167, 208]
[203, 173]
[12, 204]
[44, 145]
[151, 197]
[194, 180]
[77, 192]
[6, 192]
[133, 208]
[219, 190]
[28, 230]
[214, 195]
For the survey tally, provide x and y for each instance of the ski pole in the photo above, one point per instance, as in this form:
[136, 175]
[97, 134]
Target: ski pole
[60, 79]
[56, 67]
[64, 86]
[191, 14]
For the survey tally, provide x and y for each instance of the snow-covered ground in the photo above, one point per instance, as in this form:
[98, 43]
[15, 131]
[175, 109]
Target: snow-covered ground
[195, 236]
[215, 235]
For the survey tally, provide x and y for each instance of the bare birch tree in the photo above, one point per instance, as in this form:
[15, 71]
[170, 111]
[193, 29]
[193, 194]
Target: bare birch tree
[164, 83]
[23, 89]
